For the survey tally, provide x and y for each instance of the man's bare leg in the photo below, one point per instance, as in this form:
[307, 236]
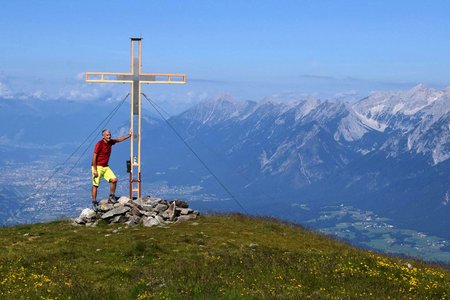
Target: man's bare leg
[94, 193]
[112, 189]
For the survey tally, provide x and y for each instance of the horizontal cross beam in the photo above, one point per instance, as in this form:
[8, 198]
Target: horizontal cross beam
[147, 78]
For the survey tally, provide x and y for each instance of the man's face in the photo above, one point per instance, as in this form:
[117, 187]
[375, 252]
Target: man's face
[107, 136]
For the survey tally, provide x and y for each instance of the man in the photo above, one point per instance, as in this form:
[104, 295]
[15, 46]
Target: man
[100, 168]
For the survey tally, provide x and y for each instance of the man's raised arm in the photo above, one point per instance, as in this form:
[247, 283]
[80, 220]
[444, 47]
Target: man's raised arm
[123, 137]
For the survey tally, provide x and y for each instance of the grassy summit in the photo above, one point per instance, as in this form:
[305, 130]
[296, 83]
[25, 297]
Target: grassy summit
[232, 256]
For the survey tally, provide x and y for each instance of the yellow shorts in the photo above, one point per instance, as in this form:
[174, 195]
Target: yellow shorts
[104, 172]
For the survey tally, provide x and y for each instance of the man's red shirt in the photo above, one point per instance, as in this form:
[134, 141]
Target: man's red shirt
[103, 151]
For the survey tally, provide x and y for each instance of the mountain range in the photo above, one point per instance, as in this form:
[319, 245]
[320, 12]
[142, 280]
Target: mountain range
[388, 153]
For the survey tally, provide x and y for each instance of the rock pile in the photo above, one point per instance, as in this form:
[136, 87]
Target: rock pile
[147, 211]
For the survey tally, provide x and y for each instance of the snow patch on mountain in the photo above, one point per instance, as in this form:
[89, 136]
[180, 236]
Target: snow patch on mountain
[371, 123]
[446, 198]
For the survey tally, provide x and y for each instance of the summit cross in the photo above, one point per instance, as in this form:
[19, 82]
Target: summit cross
[135, 78]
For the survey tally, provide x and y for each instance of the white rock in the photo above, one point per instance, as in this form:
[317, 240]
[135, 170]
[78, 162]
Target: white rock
[123, 200]
[87, 213]
[149, 222]
[186, 211]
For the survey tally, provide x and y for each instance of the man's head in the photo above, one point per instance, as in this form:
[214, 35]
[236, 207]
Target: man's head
[106, 135]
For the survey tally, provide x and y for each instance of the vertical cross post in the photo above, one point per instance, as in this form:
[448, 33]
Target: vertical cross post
[135, 117]
[135, 78]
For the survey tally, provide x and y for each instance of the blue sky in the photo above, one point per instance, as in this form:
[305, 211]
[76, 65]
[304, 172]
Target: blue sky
[249, 49]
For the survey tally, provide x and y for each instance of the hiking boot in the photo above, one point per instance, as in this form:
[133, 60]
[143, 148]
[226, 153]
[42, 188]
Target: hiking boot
[95, 206]
[112, 198]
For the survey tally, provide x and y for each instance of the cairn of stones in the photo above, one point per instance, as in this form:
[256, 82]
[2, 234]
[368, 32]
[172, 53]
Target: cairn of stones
[148, 211]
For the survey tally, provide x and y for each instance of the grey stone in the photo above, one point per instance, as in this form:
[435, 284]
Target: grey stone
[172, 211]
[115, 211]
[135, 206]
[123, 200]
[115, 219]
[105, 206]
[135, 211]
[131, 204]
[150, 201]
[138, 201]
[164, 215]
[148, 214]
[133, 220]
[161, 207]
[147, 207]
[150, 198]
[149, 222]
[160, 219]
[186, 211]
[183, 218]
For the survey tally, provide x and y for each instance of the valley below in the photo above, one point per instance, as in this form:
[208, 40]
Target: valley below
[34, 201]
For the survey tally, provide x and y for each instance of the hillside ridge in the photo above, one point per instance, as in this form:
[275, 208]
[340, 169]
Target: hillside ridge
[214, 256]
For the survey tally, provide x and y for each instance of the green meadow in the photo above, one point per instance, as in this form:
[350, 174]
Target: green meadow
[212, 257]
